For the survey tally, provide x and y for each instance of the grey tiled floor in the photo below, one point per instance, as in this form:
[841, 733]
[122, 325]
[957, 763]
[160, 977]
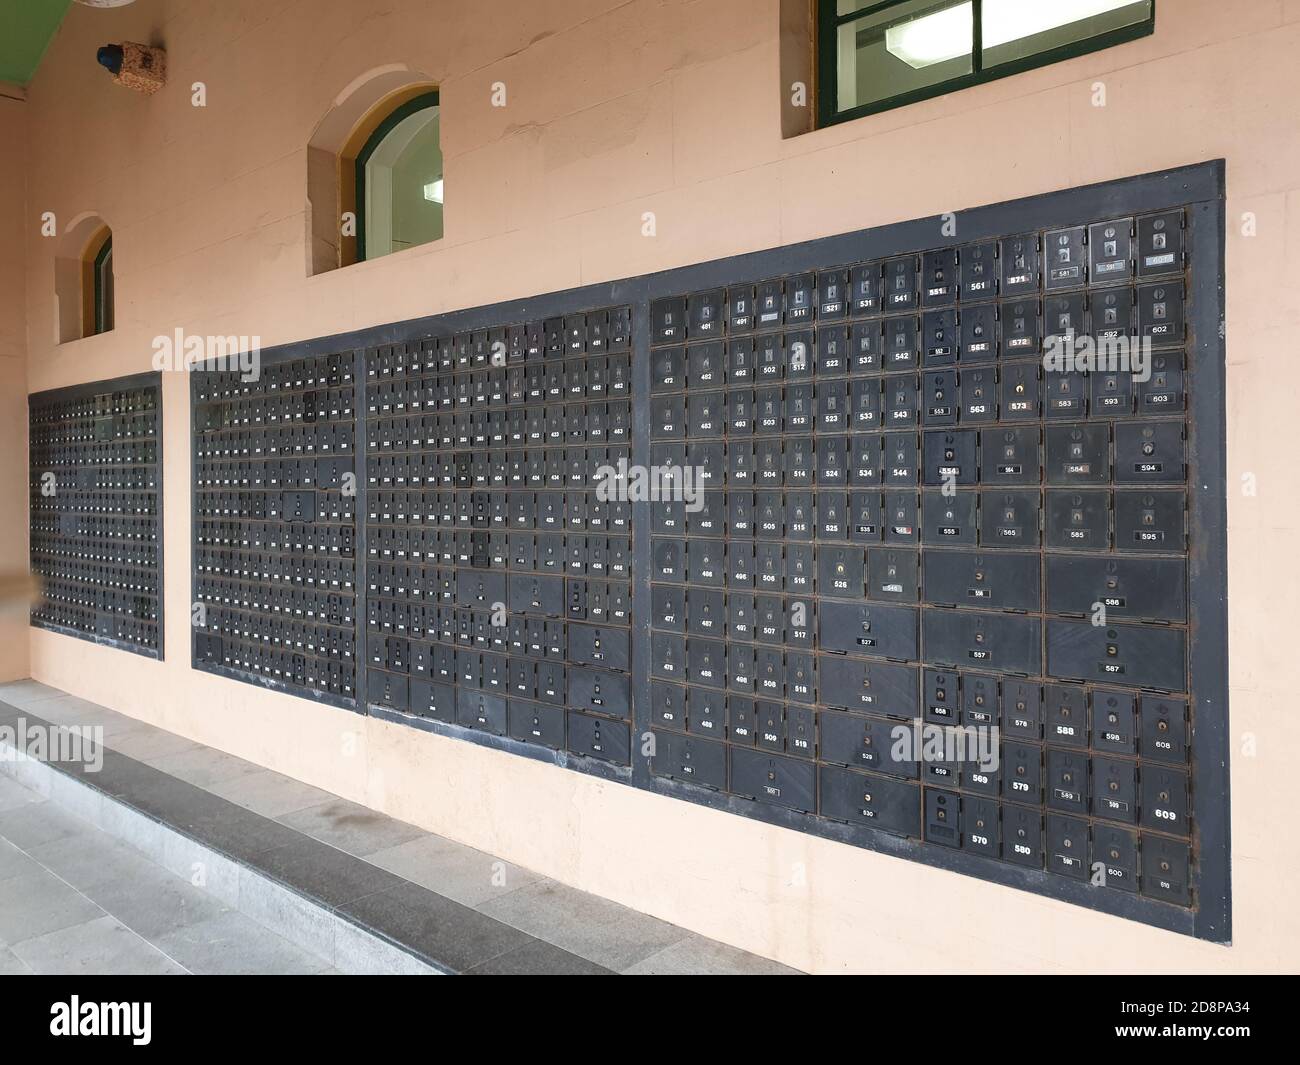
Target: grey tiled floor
[75, 901]
[578, 931]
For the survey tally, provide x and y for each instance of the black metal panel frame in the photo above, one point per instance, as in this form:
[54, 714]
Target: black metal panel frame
[152, 379]
[1200, 189]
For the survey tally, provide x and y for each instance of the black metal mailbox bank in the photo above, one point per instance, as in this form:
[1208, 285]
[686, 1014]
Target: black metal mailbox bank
[775, 533]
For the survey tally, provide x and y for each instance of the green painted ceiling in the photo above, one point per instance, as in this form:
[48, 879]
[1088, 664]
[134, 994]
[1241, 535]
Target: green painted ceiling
[26, 27]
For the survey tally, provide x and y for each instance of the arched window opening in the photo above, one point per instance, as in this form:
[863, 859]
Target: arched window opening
[399, 181]
[375, 170]
[85, 285]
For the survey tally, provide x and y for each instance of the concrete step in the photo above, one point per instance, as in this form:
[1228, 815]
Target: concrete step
[363, 891]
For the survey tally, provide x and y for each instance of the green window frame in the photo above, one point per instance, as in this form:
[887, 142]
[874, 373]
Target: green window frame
[102, 274]
[416, 103]
[829, 21]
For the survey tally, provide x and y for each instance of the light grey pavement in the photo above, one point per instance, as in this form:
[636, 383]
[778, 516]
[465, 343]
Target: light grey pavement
[74, 899]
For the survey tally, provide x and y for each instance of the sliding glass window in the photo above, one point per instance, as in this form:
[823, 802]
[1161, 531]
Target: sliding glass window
[875, 56]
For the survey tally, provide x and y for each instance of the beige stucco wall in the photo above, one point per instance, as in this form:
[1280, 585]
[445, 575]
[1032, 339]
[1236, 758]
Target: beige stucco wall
[670, 106]
[13, 377]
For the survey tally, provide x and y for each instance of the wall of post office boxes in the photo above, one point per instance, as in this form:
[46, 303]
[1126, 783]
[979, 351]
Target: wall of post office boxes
[499, 583]
[95, 505]
[869, 506]
[274, 525]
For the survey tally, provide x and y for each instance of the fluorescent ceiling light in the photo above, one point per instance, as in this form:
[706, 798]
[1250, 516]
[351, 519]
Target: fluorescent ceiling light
[946, 34]
[1010, 20]
[433, 191]
[932, 38]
